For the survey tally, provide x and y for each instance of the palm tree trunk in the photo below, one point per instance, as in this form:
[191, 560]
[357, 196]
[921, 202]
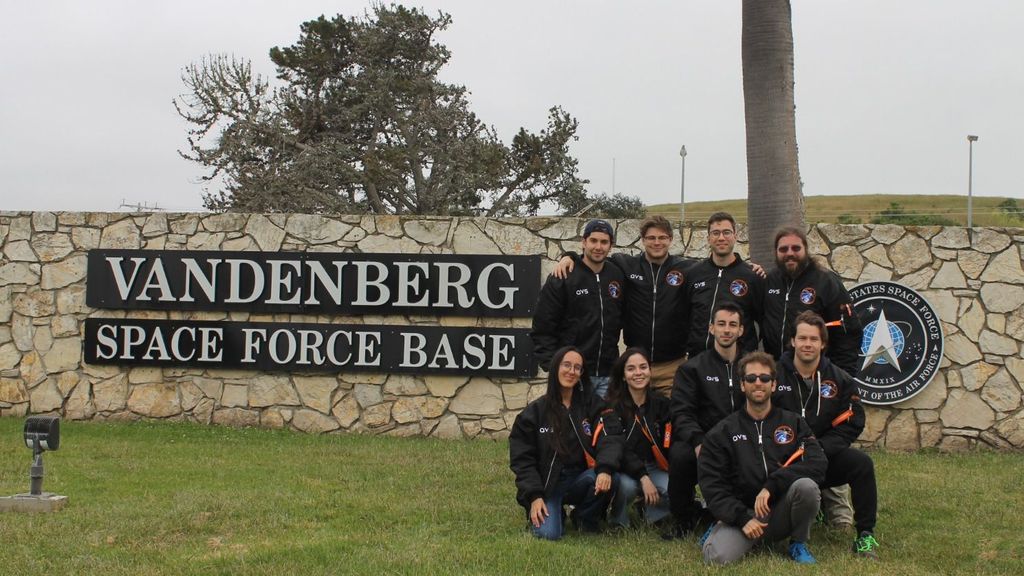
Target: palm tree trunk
[774, 196]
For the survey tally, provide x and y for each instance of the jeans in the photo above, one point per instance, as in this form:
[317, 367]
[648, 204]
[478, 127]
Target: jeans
[629, 488]
[574, 486]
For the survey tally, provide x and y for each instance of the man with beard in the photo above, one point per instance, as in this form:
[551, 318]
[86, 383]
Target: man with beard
[798, 284]
[583, 310]
[654, 299]
[722, 276]
[826, 397]
[706, 390]
[759, 472]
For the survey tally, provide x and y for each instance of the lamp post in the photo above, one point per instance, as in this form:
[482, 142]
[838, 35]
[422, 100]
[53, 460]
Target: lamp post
[682, 190]
[971, 139]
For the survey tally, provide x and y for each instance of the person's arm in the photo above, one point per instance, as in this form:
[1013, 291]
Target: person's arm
[811, 463]
[847, 426]
[714, 467]
[523, 456]
[565, 265]
[608, 445]
[685, 404]
[845, 331]
[547, 321]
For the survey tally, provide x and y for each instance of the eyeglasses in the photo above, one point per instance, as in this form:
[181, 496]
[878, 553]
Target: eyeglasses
[764, 378]
[794, 249]
[657, 238]
[570, 367]
[717, 233]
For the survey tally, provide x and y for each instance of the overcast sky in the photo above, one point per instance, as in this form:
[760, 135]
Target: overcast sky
[886, 91]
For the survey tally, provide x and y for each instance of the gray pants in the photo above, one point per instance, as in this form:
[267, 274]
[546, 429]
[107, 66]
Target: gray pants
[791, 517]
[837, 505]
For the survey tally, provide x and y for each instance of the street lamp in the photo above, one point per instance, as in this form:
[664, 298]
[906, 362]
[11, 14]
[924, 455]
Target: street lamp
[682, 190]
[971, 139]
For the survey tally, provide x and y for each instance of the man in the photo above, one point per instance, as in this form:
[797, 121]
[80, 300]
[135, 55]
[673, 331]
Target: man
[799, 284]
[723, 276]
[654, 299]
[584, 309]
[759, 472]
[826, 396]
[706, 390]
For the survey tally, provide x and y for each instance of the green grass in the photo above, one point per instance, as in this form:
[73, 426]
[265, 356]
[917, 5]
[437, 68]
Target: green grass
[863, 207]
[164, 498]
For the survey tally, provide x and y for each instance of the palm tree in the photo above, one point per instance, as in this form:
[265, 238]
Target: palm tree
[774, 197]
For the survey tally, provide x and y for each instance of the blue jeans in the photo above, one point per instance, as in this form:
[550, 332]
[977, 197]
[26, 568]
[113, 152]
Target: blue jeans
[600, 385]
[576, 487]
[629, 488]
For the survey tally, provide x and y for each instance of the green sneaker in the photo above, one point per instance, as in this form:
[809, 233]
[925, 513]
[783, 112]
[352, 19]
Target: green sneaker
[866, 546]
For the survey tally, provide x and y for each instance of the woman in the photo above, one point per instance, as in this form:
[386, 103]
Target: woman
[646, 422]
[563, 449]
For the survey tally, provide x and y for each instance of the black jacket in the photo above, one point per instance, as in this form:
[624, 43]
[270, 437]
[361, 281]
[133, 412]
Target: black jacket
[708, 285]
[741, 456]
[584, 310]
[836, 394]
[637, 453]
[532, 455]
[814, 289]
[706, 390]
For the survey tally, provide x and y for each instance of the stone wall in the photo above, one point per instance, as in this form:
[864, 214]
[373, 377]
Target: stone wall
[972, 277]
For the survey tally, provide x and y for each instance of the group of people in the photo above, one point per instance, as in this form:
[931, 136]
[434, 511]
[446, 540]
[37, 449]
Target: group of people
[733, 380]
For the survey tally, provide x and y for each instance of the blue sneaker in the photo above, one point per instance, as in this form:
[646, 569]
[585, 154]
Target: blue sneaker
[800, 554]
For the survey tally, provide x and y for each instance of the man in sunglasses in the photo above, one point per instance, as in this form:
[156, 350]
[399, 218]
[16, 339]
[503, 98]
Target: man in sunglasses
[826, 396]
[759, 472]
[799, 284]
[706, 390]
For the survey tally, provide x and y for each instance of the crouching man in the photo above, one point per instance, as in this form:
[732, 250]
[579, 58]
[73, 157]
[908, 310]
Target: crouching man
[759, 471]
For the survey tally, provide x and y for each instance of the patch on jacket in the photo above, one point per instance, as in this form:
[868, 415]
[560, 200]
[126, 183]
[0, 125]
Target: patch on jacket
[585, 425]
[674, 278]
[807, 296]
[738, 288]
[614, 289]
[783, 435]
[829, 389]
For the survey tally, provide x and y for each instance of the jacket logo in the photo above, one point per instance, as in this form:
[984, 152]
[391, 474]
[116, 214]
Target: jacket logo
[582, 292]
[807, 296]
[614, 289]
[674, 278]
[783, 435]
[545, 430]
[639, 277]
[739, 437]
[784, 388]
[775, 291]
[585, 425]
[699, 285]
[829, 389]
[738, 288]
[712, 378]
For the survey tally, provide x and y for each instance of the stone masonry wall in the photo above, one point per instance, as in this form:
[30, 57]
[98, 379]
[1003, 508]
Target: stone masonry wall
[973, 278]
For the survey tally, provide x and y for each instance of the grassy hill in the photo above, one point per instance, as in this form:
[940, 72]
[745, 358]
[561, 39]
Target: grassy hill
[861, 208]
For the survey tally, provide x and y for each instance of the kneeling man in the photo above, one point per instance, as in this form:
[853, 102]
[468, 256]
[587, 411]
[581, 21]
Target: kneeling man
[759, 472]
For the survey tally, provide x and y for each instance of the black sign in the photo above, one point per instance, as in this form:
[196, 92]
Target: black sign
[314, 283]
[273, 346]
[902, 345]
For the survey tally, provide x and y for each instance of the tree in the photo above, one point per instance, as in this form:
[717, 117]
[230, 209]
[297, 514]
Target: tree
[774, 194]
[896, 214]
[1011, 209]
[361, 123]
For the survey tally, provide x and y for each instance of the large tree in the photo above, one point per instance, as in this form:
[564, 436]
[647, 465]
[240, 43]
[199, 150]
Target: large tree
[774, 195]
[360, 122]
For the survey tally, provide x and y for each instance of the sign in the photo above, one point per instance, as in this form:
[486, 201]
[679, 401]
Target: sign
[902, 345]
[313, 283]
[275, 346]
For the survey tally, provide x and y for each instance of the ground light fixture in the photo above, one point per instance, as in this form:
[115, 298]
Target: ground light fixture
[41, 433]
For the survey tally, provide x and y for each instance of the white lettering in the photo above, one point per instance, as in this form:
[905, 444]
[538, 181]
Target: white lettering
[483, 283]
[124, 286]
[234, 296]
[208, 284]
[445, 285]
[363, 283]
[280, 278]
[409, 283]
[107, 336]
[157, 279]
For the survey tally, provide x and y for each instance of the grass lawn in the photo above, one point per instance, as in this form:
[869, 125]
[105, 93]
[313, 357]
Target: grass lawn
[162, 498]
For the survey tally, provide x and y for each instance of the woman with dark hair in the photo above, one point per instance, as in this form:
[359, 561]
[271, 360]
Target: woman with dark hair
[646, 422]
[563, 449]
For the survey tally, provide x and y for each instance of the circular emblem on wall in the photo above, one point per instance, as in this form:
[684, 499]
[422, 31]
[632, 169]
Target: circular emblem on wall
[738, 288]
[674, 278]
[807, 296]
[614, 289]
[902, 344]
[829, 389]
[783, 435]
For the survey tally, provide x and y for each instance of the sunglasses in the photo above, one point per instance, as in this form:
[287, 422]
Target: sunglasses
[751, 378]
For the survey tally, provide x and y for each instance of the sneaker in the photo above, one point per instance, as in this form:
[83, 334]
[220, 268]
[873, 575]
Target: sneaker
[800, 554]
[707, 534]
[865, 546]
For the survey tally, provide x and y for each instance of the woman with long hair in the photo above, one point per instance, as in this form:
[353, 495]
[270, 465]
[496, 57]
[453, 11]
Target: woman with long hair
[646, 422]
[564, 448]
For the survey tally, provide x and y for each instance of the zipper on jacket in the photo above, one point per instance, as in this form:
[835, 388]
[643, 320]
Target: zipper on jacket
[760, 446]
[732, 400]
[600, 347]
[711, 313]
[785, 310]
[551, 468]
[577, 432]
[654, 301]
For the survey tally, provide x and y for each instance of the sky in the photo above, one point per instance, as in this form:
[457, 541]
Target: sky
[886, 92]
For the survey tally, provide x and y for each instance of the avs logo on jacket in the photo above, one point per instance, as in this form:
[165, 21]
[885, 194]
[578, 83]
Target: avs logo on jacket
[614, 289]
[738, 288]
[585, 424]
[807, 296]
[674, 278]
[829, 389]
[902, 344]
[783, 435]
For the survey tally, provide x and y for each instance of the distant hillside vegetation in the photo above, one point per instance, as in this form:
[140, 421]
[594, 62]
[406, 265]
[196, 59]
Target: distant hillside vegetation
[909, 209]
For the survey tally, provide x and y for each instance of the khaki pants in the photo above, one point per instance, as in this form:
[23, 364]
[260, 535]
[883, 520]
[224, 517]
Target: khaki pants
[663, 374]
[835, 502]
